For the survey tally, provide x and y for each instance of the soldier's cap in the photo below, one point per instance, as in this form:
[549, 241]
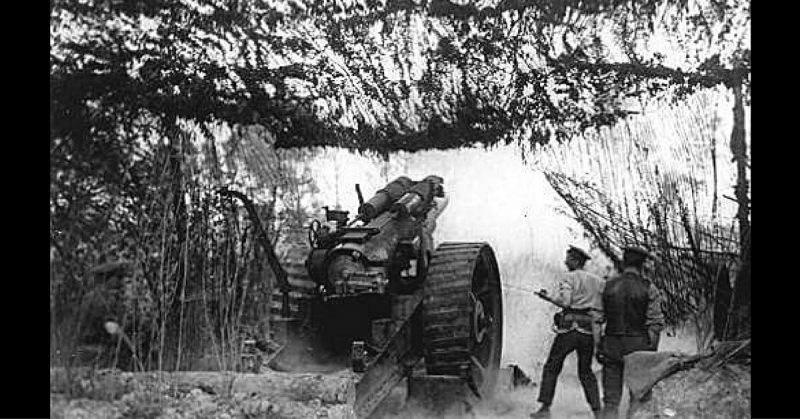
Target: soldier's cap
[433, 178]
[579, 251]
[638, 250]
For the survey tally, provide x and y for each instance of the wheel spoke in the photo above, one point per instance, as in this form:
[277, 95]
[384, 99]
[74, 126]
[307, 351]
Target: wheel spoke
[478, 319]
[483, 348]
[478, 367]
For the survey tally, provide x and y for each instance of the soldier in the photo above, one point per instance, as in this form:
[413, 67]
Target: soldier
[633, 322]
[98, 311]
[576, 328]
[102, 340]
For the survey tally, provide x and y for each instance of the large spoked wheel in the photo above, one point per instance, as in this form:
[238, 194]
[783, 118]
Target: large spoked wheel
[463, 315]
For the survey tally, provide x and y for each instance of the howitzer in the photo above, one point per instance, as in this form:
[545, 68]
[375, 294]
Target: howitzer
[376, 293]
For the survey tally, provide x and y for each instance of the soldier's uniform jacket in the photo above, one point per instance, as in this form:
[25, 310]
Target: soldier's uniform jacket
[632, 305]
[579, 290]
[632, 310]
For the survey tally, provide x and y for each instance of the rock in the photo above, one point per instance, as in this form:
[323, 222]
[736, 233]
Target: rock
[697, 393]
[643, 369]
[329, 388]
[511, 377]
[341, 411]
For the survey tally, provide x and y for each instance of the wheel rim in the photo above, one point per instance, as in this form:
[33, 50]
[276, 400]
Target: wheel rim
[480, 321]
[462, 312]
[486, 336]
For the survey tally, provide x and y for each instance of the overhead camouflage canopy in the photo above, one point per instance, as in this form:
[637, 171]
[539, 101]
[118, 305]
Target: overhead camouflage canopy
[384, 76]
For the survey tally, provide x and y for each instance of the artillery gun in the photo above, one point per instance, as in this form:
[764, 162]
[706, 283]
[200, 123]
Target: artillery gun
[375, 294]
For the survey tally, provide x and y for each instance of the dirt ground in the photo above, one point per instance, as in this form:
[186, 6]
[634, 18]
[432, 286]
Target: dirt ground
[569, 402]
[167, 402]
[171, 402]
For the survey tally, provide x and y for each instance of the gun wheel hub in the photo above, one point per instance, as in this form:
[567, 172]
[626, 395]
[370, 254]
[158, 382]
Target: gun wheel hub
[480, 321]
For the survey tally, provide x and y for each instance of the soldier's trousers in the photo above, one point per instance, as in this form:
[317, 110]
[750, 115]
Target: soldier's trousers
[562, 346]
[615, 348]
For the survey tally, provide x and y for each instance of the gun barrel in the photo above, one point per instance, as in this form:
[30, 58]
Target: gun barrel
[408, 204]
[384, 198]
[419, 197]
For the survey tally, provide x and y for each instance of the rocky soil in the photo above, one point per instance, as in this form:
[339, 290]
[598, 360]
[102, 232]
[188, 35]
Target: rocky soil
[113, 394]
[695, 393]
